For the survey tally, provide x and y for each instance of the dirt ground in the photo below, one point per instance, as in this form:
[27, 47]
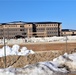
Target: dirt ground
[47, 46]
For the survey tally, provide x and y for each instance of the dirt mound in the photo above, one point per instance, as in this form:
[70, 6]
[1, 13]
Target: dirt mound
[20, 61]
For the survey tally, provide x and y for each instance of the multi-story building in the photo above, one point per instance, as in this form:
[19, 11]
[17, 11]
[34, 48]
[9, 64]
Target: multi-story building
[18, 29]
[68, 32]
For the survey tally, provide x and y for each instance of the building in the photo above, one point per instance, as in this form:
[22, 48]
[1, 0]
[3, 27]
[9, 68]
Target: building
[68, 32]
[22, 29]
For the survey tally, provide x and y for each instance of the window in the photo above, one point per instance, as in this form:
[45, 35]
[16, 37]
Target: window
[21, 29]
[30, 29]
[41, 25]
[38, 25]
[23, 33]
[54, 25]
[5, 25]
[21, 26]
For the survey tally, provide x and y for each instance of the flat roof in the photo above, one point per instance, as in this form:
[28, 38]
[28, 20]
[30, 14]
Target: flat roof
[68, 30]
[22, 22]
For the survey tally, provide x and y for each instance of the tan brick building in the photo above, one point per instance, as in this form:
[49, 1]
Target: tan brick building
[68, 32]
[18, 29]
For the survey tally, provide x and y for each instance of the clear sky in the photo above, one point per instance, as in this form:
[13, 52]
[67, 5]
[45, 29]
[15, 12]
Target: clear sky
[39, 10]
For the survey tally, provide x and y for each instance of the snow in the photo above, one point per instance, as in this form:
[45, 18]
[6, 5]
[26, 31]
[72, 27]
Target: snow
[15, 51]
[52, 39]
[37, 39]
[72, 56]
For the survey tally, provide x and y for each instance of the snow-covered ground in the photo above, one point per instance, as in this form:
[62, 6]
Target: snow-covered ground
[62, 65]
[34, 40]
[15, 51]
[52, 39]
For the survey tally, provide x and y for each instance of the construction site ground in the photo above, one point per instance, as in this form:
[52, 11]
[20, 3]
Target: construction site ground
[17, 61]
[47, 46]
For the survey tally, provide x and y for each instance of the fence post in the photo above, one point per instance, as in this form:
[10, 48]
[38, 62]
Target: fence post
[66, 44]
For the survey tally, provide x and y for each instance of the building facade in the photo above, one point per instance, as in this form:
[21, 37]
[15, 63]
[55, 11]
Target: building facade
[21, 29]
[68, 32]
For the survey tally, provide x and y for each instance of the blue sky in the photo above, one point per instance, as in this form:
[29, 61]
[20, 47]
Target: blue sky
[39, 10]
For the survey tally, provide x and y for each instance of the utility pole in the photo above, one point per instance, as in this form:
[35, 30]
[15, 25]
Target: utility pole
[4, 48]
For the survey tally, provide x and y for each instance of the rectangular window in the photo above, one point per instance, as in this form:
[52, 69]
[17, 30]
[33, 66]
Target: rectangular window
[21, 25]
